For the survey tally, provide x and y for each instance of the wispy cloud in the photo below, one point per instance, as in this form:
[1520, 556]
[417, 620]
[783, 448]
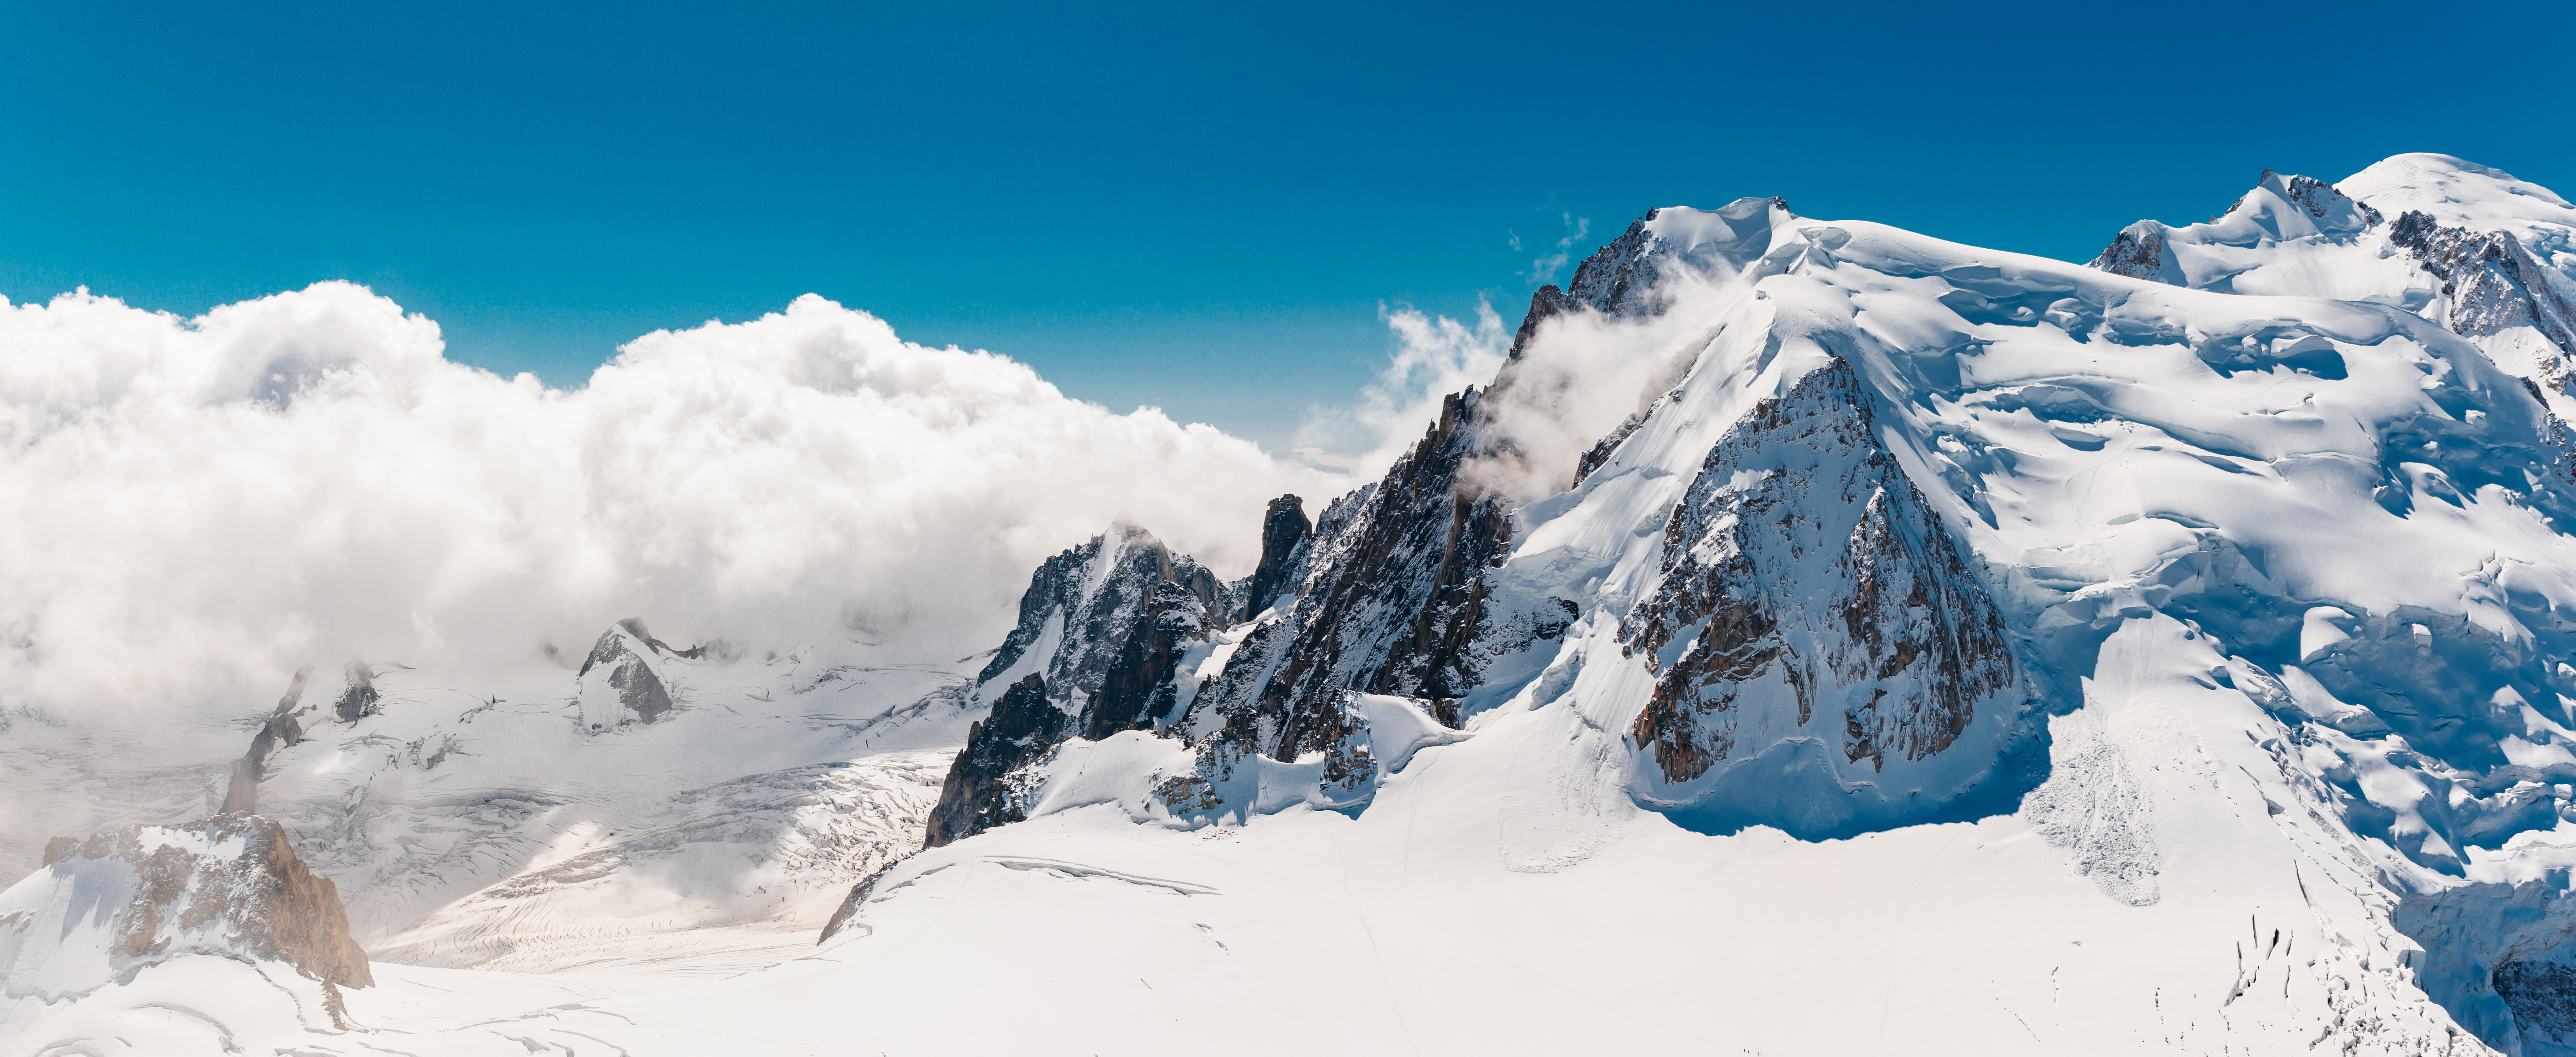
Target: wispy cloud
[1560, 253]
[1430, 357]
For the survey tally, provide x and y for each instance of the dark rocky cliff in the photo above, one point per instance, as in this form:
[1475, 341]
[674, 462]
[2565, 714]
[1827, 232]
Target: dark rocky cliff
[1283, 529]
[282, 730]
[1101, 633]
[2491, 280]
[1023, 727]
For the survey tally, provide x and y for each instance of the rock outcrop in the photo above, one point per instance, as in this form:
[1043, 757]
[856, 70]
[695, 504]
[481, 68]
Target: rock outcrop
[1283, 528]
[1809, 591]
[1394, 593]
[1082, 606]
[619, 683]
[228, 885]
[2491, 280]
[1023, 727]
[2281, 208]
[282, 730]
[1390, 591]
[358, 696]
[2138, 252]
[1102, 630]
[1625, 278]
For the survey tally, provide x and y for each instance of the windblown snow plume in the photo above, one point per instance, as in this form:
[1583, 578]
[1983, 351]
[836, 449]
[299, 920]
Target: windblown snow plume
[202, 506]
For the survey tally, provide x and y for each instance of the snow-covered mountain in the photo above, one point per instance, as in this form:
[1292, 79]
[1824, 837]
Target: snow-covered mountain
[1917, 648]
[2487, 256]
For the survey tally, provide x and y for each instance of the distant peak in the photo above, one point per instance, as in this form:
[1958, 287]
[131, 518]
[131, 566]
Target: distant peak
[2456, 192]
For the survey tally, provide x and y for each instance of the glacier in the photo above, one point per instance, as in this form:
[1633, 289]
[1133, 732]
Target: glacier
[1893, 646]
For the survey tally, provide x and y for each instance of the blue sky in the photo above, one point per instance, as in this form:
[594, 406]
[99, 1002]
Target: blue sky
[1199, 207]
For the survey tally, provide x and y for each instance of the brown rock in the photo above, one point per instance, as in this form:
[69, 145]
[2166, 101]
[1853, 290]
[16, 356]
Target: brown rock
[229, 884]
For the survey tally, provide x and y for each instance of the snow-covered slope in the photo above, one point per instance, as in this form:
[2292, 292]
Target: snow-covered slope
[646, 806]
[1928, 649]
[639, 806]
[2490, 257]
[1928, 533]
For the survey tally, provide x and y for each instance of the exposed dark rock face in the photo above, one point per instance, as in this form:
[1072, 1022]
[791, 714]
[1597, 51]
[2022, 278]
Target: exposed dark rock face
[1394, 595]
[1599, 454]
[1623, 278]
[2323, 202]
[1546, 304]
[1803, 566]
[1023, 727]
[1137, 693]
[281, 731]
[1282, 530]
[2541, 994]
[624, 658]
[2492, 281]
[2137, 252]
[228, 885]
[848, 912]
[2144, 250]
[359, 698]
[640, 691]
[1091, 599]
[1395, 590]
[1101, 633]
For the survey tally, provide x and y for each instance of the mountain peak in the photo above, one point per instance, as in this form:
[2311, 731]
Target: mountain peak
[2457, 192]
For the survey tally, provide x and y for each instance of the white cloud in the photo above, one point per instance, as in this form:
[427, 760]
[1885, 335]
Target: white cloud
[1432, 357]
[1544, 269]
[1580, 376]
[200, 506]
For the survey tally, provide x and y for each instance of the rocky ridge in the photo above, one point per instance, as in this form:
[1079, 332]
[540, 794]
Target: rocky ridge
[1102, 633]
[1395, 594]
[1809, 591]
[229, 886]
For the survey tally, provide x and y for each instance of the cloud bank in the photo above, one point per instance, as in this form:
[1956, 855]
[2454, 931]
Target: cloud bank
[199, 506]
